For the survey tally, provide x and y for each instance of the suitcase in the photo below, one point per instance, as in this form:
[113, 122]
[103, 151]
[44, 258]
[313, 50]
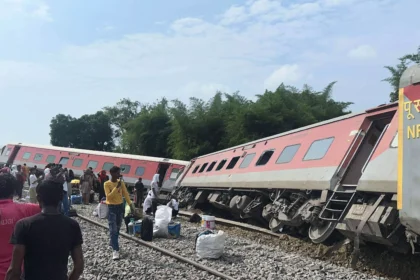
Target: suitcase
[146, 231]
[76, 199]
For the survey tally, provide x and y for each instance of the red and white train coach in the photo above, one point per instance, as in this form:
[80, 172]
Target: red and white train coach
[338, 174]
[133, 166]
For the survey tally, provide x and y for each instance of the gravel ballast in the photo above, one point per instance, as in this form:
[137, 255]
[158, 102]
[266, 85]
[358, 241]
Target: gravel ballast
[137, 262]
[244, 257]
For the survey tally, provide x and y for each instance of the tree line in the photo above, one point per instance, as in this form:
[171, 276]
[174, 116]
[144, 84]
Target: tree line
[174, 129]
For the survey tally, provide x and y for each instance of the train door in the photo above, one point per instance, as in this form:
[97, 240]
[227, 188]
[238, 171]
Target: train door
[13, 154]
[378, 126]
[161, 170]
[344, 193]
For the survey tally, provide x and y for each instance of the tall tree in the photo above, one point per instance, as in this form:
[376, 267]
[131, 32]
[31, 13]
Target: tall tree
[91, 132]
[120, 114]
[178, 130]
[397, 71]
[148, 133]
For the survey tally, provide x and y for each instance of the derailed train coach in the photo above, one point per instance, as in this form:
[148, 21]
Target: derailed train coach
[338, 175]
[132, 166]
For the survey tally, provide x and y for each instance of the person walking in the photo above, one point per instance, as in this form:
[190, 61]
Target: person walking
[33, 183]
[21, 179]
[154, 192]
[44, 242]
[115, 190]
[25, 173]
[86, 185]
[65, 202]
[10, 214]
[102, 178]
[139, 187]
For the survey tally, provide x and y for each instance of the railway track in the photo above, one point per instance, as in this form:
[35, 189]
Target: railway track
[248, 254]
[163, 251]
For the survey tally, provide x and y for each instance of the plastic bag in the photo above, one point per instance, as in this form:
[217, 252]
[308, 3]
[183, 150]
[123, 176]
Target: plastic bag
[102, 210]
[162, 218]
[211, 246]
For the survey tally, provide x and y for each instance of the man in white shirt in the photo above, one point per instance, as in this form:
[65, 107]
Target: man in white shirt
[33, 183]
[173, 203]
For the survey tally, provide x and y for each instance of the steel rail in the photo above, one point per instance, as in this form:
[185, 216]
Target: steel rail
[236, 224]
[163, 251]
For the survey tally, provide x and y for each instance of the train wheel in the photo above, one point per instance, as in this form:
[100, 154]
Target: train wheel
[275, 225]
[320, 233]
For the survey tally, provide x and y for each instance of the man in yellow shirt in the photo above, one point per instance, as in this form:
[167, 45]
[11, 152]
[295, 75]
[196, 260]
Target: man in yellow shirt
[115, 189]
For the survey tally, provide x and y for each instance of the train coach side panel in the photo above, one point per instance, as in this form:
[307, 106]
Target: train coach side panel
[380, 174]
[298, 173]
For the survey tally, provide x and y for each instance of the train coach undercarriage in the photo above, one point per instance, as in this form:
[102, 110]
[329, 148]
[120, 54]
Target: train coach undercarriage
[367, 217]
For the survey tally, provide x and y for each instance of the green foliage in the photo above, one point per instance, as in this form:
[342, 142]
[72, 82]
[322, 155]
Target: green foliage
[397, 71]
[92, 132]
[177, 130]
[148, 132]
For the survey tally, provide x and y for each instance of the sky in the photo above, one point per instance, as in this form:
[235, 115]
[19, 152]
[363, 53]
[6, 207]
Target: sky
[75, 57]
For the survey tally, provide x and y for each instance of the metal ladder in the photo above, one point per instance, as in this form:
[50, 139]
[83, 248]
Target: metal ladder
[338, 203]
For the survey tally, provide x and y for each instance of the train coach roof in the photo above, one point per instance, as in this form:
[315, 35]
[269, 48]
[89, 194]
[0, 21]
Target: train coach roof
[108, 154]
[410, 76]
[288, 132]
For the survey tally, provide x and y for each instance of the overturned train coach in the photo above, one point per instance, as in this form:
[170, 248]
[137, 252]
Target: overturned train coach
[334, 176]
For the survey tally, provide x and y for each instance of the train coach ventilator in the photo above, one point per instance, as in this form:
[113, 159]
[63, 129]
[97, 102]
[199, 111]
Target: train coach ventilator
[164, 251]
[210, 245]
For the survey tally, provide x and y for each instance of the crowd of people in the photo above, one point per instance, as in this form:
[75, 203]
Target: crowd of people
[39, 236]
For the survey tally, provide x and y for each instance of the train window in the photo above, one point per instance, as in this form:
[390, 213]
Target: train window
[211, 166]
[233, 162]
[2, 150]
[174, 174]
[26, 155]
[264, 158]
[38, 157]
[221, 164]
[50, 159]
[125, 168]
[247, 160]
[195, 169]
[203, 167]
[107, 166]
[394, 142]
[318, 149]
[77, 162]
[140, 171]
[63, 161]
[288, 154]
[8, 151]
[93, 164]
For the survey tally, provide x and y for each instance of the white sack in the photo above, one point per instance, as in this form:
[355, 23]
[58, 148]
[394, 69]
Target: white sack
[102, 210]
[162, 219]
[211, 246]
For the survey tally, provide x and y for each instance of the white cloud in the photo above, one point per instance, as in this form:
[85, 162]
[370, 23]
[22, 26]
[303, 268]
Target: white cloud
[362, 52]
[234, 14]
[42, 12]
[249, 47]
[37, 9]
[289, 74]
[106, 28]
